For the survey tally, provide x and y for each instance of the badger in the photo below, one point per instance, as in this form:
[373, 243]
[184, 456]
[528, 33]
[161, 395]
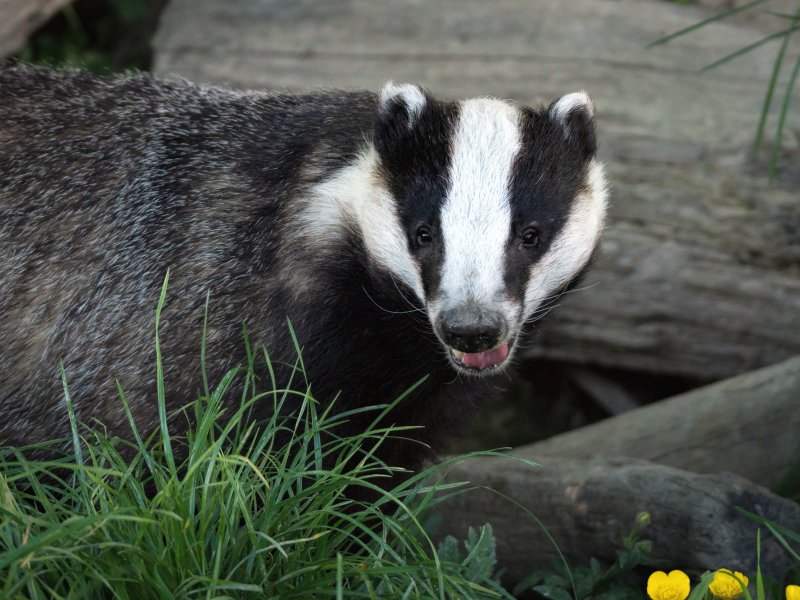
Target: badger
[404, 237]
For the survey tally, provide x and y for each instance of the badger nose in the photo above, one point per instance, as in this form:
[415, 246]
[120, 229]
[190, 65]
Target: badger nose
[469, 331]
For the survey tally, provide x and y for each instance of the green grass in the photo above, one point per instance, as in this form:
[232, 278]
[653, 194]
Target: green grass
[229, 511]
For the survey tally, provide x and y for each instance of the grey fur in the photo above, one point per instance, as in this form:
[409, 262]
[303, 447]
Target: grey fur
[104, 185]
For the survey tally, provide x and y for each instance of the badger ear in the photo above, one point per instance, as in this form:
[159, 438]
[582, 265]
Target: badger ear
[399, 108]
[402, 101]
[574, 115]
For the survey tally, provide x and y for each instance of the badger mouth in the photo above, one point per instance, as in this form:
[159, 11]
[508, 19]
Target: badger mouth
[482, 362]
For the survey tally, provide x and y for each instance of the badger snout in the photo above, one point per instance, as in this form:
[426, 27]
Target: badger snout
[476, 339]
[471, 331]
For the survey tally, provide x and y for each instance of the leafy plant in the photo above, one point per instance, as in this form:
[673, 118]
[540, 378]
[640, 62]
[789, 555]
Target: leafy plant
[595, 580]
[478, 557]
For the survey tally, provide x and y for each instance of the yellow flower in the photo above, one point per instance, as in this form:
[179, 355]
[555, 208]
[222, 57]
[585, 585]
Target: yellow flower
[674, 586]
[793, 592]
[726, 586]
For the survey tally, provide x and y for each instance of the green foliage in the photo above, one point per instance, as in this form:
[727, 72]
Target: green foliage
[792, 26]
[479, 556]
[768, 588]
[98, 35]
[238, 508]
[700, 591]
[71, 47]
[595, 581]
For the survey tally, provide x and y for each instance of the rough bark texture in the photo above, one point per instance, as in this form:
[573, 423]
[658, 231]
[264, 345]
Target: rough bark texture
[700, 274]
[20, 18]
[734, 425]
[587, 505]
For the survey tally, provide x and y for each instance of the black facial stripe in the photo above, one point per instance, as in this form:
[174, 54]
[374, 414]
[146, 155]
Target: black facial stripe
[415, 164]
[547, 176]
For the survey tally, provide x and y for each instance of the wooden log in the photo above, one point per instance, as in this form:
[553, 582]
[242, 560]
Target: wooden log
[20, 18]
[587, 505]
[699, 275]
[747, 425]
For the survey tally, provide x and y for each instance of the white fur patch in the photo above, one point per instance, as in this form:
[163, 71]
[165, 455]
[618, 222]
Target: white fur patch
[356, 194]
[571, 249]
[476, 216]
[566, 104]
[410, 94]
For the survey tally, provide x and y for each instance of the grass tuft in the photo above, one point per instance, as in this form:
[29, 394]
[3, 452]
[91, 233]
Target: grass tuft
[235, 509]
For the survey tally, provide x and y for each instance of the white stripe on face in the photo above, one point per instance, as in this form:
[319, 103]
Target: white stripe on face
[356, 194]
[476, 216]
[571, 249]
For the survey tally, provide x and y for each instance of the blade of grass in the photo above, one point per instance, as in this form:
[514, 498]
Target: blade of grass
[773, 80]
[781, 15]
[142, 449]
[73, 426]
[203, 340]
[704, 22]
[787, 97]
[339, 577]
[162, 402]
[298, 349]
[750, 47]
[701, 589]
[780, 532]
[759, 580]
[544, 529]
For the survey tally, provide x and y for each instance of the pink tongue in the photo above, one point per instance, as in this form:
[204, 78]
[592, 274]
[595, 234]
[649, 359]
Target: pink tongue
[484, 360]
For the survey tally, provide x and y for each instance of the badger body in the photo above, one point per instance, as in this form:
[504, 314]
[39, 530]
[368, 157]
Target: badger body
[402, 236]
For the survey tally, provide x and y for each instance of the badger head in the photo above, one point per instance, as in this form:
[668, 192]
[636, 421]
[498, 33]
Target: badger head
[488, 211]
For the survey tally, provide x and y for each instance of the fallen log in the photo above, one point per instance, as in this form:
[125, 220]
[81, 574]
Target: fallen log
[699, 275]
[587, 505]
[747, 425]
[20, 18]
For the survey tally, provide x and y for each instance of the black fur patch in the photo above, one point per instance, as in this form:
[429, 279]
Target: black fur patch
[549, 172]
[415, 162]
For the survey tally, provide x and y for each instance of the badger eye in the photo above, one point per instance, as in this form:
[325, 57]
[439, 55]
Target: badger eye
[424, 236]
[530, 237]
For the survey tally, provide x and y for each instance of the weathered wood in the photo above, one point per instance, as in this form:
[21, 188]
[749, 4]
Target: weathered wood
[700, 274]
[746, 425]
[587, 505]
[20, 18]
